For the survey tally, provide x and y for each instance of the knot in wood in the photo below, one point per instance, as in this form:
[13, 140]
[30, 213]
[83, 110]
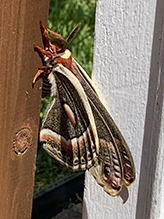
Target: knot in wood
[22, 141]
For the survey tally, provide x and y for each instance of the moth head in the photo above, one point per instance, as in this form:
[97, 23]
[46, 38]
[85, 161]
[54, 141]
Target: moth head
[60, 43]
[54, 46]
[57, 41]
[49, 49]
[54, 43]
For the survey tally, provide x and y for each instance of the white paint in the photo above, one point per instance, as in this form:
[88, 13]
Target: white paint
[122, 61]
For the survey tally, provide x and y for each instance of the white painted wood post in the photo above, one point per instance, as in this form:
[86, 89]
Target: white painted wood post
[129, 74]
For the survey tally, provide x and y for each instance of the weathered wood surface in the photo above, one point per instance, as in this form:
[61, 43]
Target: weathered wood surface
[129, 72]
[19, 103]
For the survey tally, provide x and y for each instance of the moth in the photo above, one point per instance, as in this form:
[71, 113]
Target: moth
[77, 130]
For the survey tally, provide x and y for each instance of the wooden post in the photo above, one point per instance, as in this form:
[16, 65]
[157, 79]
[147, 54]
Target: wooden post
[19, 103]
[129, 71]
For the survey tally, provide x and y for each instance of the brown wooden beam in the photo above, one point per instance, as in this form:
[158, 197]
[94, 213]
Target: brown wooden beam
[19, 103]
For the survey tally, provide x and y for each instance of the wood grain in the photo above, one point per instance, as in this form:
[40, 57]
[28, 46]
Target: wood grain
[19, 103]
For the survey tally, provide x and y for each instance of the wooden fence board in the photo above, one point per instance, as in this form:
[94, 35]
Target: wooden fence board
[19, 103]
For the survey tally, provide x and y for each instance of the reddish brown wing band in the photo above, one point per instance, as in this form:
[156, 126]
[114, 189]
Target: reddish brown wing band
[77, 129]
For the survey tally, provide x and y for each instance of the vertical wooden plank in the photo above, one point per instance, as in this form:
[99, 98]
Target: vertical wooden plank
[122, 60]
[19, 103]
[151, 189]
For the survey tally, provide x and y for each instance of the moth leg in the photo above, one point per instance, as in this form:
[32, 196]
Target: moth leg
[43, 51]
[38, 74]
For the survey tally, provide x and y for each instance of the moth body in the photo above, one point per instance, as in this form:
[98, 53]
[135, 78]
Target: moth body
[77, 130]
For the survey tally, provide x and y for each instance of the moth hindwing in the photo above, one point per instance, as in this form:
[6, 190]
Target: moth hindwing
[77, 130]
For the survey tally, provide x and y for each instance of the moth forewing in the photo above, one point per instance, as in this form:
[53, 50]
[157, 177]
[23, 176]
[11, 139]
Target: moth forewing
[72, 142]
[82, 76]
[67, 73]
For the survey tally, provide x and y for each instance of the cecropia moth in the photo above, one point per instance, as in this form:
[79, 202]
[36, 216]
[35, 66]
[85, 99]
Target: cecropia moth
[77, 130]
